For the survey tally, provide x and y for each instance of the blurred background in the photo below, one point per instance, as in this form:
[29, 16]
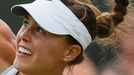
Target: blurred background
[8, 17]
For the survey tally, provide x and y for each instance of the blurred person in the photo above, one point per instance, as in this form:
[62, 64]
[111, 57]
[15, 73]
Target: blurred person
[122, 61]
[117, 47]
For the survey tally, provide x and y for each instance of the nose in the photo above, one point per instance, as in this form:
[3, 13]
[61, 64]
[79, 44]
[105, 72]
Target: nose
[24, 35]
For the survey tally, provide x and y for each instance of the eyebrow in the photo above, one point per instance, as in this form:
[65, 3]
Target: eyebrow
[26, 17]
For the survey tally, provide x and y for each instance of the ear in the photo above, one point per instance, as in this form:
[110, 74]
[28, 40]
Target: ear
[72, 52]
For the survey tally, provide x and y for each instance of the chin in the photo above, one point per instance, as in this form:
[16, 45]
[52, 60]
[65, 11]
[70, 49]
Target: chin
[19, 65]
[22, 66]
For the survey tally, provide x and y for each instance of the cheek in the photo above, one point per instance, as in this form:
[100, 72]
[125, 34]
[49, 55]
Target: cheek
[48, 49]
[51, 44]
[127, 43]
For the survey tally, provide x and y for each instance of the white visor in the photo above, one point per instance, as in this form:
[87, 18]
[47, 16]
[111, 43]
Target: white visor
[56, 18]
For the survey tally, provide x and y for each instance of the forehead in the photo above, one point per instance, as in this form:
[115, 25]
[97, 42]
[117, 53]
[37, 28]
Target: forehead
[32, 22]
[29, 19]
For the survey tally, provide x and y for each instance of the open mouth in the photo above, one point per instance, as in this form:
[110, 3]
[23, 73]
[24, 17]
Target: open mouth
[25, 51]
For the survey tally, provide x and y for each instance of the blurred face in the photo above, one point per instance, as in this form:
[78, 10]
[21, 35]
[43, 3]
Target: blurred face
[127, 43]
[38, 50]
[127, 37]
[127, 50]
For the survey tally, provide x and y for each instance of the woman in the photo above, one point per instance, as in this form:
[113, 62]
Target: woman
[117, 47]
[122, 62]
[7, 46]
[47, 25]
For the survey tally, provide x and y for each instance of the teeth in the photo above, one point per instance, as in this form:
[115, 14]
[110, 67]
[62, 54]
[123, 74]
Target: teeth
[24, 50]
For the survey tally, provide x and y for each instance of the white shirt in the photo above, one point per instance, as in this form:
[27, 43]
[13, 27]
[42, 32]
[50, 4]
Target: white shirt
[10, 71]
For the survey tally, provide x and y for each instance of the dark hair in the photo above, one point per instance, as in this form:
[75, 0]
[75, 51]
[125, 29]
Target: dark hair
[84, 13]
[120, 11]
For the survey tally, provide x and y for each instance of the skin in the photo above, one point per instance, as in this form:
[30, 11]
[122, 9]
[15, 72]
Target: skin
[126, 39]
[7, 46]
[47, 53]
[85, 68]
[125, 61]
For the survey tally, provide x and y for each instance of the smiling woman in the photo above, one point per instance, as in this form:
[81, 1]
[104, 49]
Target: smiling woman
[7, 46]
[53, 36]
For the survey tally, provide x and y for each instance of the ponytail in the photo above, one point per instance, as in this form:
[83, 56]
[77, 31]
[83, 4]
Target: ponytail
[106, 22]
[120, 11]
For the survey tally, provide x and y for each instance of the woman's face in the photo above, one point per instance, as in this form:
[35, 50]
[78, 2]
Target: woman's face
[37, 49]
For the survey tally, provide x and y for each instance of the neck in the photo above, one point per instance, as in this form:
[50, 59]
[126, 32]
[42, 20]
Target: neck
[57, 71]
[20, 73]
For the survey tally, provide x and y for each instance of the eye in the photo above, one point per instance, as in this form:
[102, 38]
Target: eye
[40, 30]
[25, 23]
